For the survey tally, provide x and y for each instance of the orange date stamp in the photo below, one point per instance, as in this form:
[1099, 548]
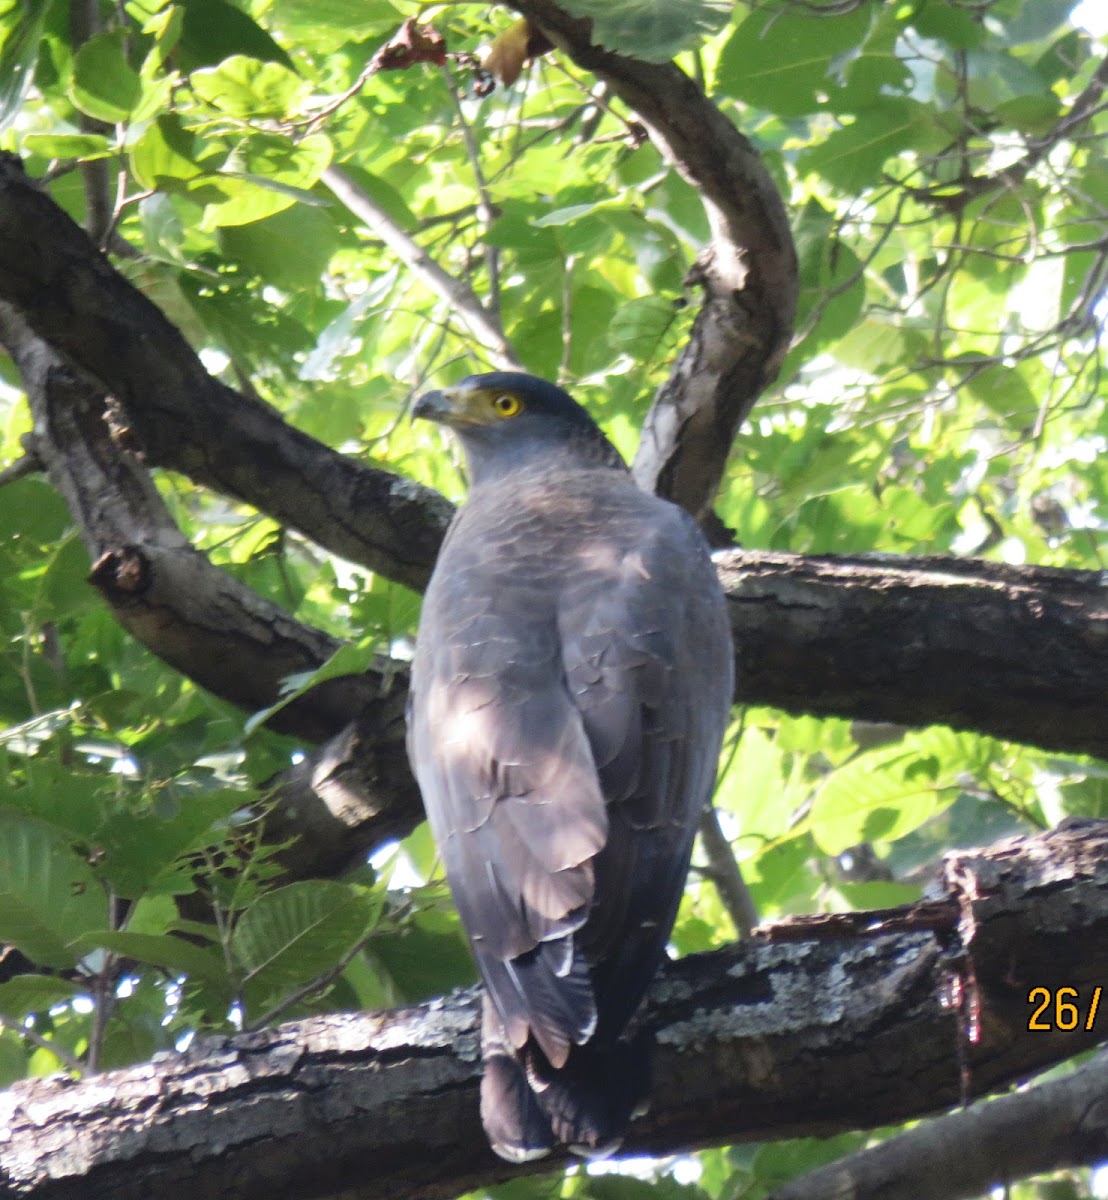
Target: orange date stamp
[1063, 1009]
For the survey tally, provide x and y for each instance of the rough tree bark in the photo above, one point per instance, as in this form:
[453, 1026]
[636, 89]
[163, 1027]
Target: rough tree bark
[176, 415]
[913, 641]
[815, 1026]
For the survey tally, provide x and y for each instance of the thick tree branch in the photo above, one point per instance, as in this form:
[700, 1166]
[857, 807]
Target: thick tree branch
[848, 638]
[194, 616]
[748, 271]
[1017, 652]
[822, 1024]
[183, 418]
[1063, 1123]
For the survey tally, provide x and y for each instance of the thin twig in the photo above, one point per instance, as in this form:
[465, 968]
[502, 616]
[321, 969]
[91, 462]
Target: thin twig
[724, 873]
[69, 1061]
[85, 22]
[484, 326]
[485, 209]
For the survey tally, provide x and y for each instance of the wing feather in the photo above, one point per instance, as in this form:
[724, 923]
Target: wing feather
[568, 698]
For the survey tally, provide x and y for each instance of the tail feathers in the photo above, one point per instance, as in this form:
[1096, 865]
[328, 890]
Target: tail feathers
[528, 1107]
[590, 1101]
[516, 1126]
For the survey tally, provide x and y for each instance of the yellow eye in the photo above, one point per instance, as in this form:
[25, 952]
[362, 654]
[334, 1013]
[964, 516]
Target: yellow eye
[506, 405]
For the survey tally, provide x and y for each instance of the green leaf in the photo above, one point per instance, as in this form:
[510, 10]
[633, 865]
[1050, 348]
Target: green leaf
[19, 55]
[25, 994]
[140, 850]
[266, 176]
[995, 76]
[64, 589]
[214, 30]
[49, 895]
[346, 660]
[565, 216]
[851, 158]
[429, 955]
[885, 793]
[331, 23]
[166, 26]
[32, 510]
[13, 1059]
[1034, 114]
[639, 325]
[1004, 390]
[653, 30]
[163, 231]
[245, 87]
[104, 85]
[1033, 20]
[173, 954]
[297, 933]
[83, 146]
[752, 787]
[780, 60]
[955, 26]
[165, 153]
[626, 1187]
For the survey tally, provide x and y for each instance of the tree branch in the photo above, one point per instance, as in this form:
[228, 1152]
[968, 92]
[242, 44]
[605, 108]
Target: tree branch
[818, 1025]
[915, 641]
[183, 418]
[482, 323]
[748, 271]
[1084, 107]
[1016, 652]
[724, 872]
[1062, 1123]
[197, 618]
[85, 21]
[355, 790]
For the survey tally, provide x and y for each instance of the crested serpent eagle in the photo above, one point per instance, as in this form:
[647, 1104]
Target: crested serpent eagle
[571, 684]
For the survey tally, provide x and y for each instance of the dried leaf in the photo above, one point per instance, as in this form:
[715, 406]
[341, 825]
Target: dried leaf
[413, 43]
[516, 46]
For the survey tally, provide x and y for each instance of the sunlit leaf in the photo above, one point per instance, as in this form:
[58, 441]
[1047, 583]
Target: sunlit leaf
[23, 994]
[49, 895]
[653, 30]
[297, 932]
[779, 58]
[104, 84]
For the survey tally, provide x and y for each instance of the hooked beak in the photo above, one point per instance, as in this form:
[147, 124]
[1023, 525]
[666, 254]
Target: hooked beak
[449, 406]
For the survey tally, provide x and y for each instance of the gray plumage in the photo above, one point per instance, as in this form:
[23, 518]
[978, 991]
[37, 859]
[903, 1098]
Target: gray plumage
[570, 689]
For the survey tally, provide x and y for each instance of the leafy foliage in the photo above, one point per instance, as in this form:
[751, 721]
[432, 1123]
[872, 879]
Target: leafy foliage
[944, 396]
[653, 30]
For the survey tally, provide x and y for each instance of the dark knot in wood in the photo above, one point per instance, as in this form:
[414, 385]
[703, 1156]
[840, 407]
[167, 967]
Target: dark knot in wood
[121, 572]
